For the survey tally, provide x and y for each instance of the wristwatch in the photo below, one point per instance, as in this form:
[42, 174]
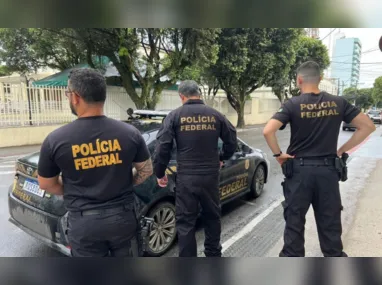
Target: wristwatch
[277, 155]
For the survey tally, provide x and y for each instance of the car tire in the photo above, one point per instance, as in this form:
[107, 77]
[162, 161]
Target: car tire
[258, 181]
[343, 128]
[163, 233]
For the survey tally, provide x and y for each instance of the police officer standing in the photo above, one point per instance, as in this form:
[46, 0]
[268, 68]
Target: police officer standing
[196, 129]
[95, 156]
[309, 165]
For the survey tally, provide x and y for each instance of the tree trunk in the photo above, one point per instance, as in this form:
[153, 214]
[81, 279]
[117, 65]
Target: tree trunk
[240, 117]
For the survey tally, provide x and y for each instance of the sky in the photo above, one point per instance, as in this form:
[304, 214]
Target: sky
[369, 38]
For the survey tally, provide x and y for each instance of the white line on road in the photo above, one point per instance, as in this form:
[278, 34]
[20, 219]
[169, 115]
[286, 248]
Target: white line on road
[249, 203]
[7, 166]
[250, 226]
[6, 172]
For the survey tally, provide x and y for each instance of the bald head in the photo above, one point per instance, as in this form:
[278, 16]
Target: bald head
[309, 73]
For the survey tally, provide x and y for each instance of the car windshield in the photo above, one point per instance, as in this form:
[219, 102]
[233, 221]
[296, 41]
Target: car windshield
[374, 113]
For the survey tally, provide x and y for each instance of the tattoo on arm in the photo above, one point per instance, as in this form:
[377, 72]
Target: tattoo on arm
[142, 171]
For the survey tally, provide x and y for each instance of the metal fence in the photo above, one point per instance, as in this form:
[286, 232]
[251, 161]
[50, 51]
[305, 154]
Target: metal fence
[31, 106]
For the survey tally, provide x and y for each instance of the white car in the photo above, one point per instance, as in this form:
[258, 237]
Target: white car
[375, 115]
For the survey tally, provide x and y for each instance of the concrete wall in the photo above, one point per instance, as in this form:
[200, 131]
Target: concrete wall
[24, 135]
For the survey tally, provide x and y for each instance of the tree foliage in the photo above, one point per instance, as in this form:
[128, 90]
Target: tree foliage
[26, 50]
[307, 49]
[377, 91]
[155, 58]
[4, 70]
[251, 58]
[361, 98]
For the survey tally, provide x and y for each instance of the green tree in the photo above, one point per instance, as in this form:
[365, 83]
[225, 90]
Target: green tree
[4, 71]
[361, 98]
[251, 58]
[307, 49]
[377, 91]
[26, 50]
[153, 57]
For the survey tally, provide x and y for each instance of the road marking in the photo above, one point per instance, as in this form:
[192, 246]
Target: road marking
[251, 225]
[6, 172]
[7, 166]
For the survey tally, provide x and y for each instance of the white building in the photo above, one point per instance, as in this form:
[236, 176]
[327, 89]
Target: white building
[329, 85]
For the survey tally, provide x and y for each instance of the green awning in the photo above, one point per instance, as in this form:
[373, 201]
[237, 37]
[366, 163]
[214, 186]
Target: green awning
[59, 79]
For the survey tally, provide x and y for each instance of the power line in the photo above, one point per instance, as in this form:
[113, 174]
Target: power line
[328, 34]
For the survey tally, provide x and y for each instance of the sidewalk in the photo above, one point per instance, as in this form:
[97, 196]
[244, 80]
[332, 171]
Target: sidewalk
[18, 150]
[364, 238]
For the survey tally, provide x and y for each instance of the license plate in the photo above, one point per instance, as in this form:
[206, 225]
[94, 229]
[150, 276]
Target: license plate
[32, 187]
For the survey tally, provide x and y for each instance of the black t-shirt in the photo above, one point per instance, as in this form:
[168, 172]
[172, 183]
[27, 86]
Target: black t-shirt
[95, 156]
[315, 121]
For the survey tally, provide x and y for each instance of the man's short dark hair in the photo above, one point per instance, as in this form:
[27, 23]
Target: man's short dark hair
[310, 71]
[88, 83]
[189, 88]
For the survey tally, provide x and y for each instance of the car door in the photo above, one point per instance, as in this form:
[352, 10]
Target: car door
[234, 176]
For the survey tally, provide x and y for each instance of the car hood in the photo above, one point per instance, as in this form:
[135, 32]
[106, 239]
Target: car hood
[31, 159]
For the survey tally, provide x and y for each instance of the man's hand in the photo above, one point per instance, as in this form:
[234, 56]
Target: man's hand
[221, 164]
[283, 157]
[162, 182]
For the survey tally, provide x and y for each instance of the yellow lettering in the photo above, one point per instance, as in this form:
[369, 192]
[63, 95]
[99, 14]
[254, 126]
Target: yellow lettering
[182, 120]
[335, 112]
[92, 162]
[319, 114]
[112, 159]
[302, 106]
[189, 120]
[204, 127]
[118, 161]
[104, 146]
[110, 145]
[182, 128]
[324, 104]
[193, 127]
[105, 159]
[330, 113]
[117, 147]
[77, 163]
[98, 146]
[213, 119]
[92, 151]
[303, 114]
[75, 150]
[198, 127]
[188, 127]
[310, 107]
[98, 160]
[324, 113]
[314, 114]
[204, 119]
[308, 114]
[85, 163]
[334, 104]
[84, 148]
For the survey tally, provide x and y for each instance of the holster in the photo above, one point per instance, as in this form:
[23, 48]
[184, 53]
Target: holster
[341, 167]
[145, 226]
[287, 168]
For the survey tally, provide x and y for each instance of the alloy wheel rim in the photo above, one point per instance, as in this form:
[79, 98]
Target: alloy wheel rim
[259, 179]
[163, 232]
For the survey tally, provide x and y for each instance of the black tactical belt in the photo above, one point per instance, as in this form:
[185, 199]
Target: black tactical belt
[314, 161]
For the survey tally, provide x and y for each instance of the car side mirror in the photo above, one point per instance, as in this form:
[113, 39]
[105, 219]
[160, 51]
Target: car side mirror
[246, 149]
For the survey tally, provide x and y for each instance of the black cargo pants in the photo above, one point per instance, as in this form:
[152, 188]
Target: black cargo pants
[192, 191]
[103, 232]
[319, 186]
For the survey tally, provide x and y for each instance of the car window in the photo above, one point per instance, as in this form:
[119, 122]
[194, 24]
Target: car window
[238, 148]
[153, 145]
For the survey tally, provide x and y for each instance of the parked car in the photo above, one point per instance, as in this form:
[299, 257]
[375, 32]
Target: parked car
[43, 215]
[346, 126]
[375, 115]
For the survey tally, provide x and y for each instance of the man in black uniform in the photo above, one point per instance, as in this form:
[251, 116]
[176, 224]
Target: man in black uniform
[309, 164]
[196, 128]
[95, 155]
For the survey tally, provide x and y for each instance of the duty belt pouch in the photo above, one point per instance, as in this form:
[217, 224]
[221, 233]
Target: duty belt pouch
[287, 168]
[341, 169]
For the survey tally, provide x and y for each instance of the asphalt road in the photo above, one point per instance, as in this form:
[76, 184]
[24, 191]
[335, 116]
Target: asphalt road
[16, 243]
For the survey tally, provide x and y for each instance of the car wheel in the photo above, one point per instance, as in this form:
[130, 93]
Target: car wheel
[258, 181]
[343, 128]
[163, 233]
